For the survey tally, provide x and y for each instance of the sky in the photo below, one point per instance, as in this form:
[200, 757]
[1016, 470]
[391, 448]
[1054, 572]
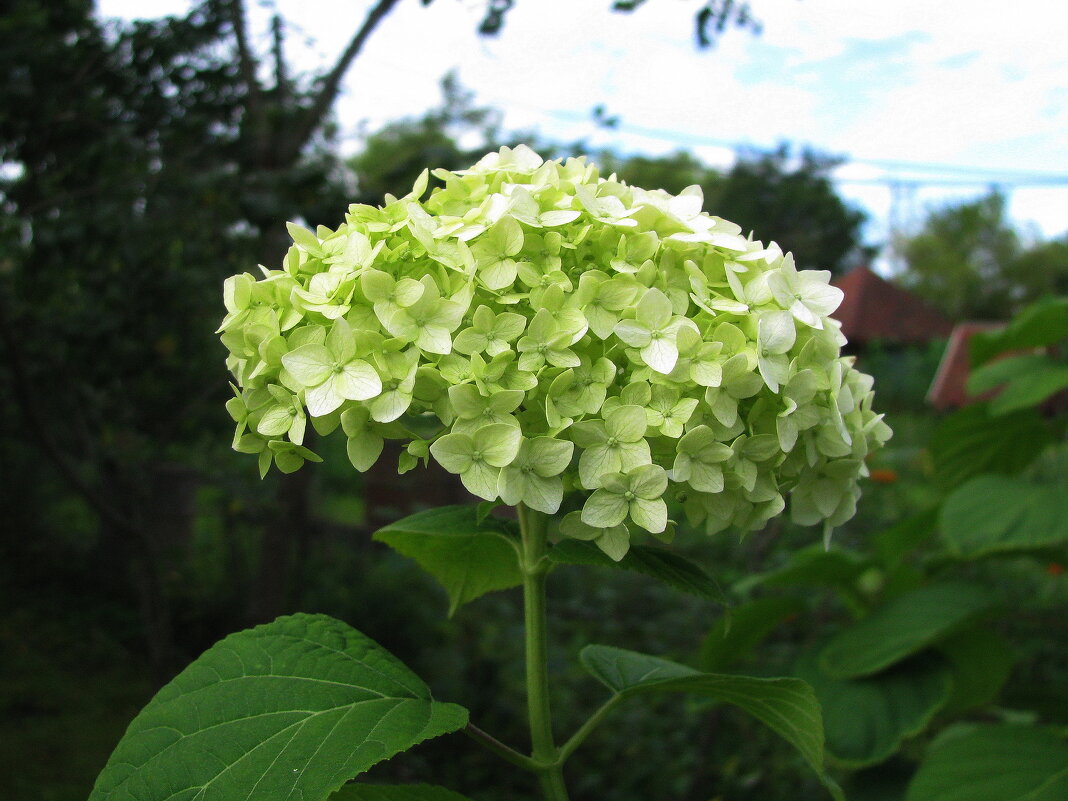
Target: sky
[957, 94]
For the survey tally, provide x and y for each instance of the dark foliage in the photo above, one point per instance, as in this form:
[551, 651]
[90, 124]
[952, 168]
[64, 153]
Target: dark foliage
[791, 199]
[971, 262]
[786, 198]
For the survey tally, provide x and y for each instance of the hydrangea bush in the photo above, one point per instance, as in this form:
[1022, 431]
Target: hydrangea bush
[554, 337]
[585, 351]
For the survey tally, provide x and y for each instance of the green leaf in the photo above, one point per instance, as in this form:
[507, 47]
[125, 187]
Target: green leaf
[663, 565]
[981, 660]
[1030, 389]
[993, 763]
[467, 558]
[788, 706]
[866, 720]
[818, 567]
[1043, 323]
[1028, 380]
[997, 514]
[483, 510]
[901, 627]
[993, 375]
[972, 441]
[292, 709]
[895, 543]
[396, 792]
[743, 628]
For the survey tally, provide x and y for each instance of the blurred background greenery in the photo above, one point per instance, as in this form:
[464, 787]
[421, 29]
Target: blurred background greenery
[144, 162]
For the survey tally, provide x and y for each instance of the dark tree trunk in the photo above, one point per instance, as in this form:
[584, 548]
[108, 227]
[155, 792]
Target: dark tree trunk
[273, 584]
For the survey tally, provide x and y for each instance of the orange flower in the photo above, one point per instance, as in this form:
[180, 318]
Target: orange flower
[883, 475]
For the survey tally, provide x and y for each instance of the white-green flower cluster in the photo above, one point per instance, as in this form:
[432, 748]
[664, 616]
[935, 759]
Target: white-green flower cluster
[557, 338]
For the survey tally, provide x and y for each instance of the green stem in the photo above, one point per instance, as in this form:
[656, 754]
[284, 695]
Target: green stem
[579, 737]
[490, 742]
[532, 527]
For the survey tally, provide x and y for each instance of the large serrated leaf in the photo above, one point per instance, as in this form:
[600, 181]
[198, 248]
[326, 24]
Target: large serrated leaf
[866, 720]
[396, 792]
[901, 627]
[468, 557]
[285, 711]
[665, 566]
[972, 441]
[997, 514]
[993, 763]
[743, 628]
[981, 660]
[786, 705]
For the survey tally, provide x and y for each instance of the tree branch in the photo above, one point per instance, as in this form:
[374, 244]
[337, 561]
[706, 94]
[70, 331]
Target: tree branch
[331, 82]
[281, 77]
[38, 431]
[246, 62]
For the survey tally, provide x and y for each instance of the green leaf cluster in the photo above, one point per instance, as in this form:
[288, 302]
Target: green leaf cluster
[559, 333]
[994, 763]
[922, 647]
[884, 678]
[787, 706]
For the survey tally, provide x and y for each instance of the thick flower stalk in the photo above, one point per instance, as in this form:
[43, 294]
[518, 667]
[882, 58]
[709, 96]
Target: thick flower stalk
[563, 341]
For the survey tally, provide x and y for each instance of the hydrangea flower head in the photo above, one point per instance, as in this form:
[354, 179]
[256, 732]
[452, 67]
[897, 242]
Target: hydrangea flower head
[564, 341]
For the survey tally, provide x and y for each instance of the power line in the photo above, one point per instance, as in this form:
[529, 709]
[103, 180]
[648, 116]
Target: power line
[1017, 177]
[979, 180]
[979, 176]
[923, 174]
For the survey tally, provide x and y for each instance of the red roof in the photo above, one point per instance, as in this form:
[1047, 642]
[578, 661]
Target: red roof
[873, 308]
[948, 388]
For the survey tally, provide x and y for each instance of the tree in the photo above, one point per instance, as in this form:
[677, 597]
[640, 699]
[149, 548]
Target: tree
[394, 156]
[141, 164]
[710, 20]
[118, 146]
[673, 172]
[1040, 270]
[792, 201]
[971, 262]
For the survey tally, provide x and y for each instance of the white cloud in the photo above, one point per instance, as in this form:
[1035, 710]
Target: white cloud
[960, 82]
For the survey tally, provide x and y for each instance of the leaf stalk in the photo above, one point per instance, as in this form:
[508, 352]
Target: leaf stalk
[505, 752]
[579, 737]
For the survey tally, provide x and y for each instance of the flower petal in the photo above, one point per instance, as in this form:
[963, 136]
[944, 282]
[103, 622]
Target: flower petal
[604, 509]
